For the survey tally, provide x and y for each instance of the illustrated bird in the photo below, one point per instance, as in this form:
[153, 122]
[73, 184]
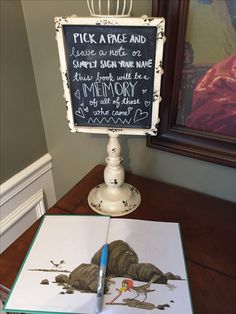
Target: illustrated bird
[57, 265]
[128, 285]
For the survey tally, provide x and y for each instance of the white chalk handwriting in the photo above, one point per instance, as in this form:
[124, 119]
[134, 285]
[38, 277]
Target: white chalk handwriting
[111, 78]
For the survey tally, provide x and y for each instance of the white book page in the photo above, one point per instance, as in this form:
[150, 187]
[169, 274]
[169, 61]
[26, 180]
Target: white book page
[71, 240]
[156, 243]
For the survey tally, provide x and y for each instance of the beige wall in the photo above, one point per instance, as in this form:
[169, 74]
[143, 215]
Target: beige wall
[22, 134]
[75, 154]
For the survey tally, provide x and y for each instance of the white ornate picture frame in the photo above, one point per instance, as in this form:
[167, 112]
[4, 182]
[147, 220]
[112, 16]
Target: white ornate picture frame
[93, 84]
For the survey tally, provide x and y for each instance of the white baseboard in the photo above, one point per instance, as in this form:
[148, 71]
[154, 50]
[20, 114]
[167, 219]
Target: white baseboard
[24, 198]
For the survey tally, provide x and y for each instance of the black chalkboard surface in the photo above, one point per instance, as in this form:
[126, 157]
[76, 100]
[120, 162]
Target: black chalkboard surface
[110, 71]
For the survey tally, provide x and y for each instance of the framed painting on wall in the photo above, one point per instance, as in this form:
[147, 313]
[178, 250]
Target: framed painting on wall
[198, 108]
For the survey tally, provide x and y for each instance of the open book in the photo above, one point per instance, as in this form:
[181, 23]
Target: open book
[146, 268]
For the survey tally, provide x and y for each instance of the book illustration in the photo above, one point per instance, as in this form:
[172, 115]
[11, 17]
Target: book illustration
[123, 262]
[145, 271]
[57, 265]
[144, 289]
[141, 290]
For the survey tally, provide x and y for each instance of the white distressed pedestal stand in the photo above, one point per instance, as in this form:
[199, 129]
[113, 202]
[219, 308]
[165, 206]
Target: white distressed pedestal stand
[114, 197]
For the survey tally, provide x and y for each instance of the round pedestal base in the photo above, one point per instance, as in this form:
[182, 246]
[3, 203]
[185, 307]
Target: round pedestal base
[114, 201]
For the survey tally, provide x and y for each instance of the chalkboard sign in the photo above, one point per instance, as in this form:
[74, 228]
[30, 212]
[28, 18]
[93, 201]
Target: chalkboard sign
[111, 70]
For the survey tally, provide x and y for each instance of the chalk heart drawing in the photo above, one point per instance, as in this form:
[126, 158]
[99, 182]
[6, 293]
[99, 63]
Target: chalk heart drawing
[86, 109]
[140, 115]
[144, 91]
[80, 113]
[147, 103]
[77, 94]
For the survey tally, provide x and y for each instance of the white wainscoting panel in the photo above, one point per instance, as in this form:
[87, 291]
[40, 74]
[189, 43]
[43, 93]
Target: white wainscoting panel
[24, 198]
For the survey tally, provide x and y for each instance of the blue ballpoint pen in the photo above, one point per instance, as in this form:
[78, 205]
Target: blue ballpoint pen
[102, 277]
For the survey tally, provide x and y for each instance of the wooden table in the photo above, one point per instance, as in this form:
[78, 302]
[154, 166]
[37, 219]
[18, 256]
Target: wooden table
[208, 229]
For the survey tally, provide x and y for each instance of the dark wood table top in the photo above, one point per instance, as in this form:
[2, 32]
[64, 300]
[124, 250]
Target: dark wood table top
[208, 228]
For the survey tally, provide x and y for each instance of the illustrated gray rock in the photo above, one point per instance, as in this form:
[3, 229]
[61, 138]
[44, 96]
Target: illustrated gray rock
[121, 256]
[146, 272]
[171, 276]
[85, 277]
[62, 278]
